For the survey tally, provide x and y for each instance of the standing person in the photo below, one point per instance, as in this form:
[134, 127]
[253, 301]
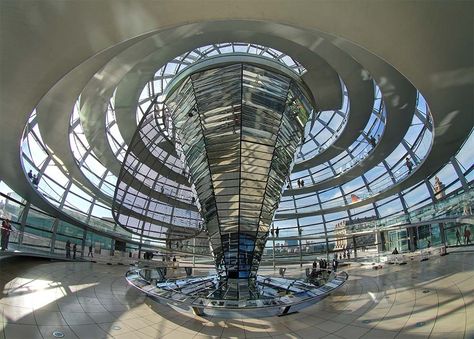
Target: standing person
[272, 232]
[6, 230]
[372, 141]
[68, 249]
[467, 236]
[74, 249]
[90, 251]
[35, 180]
[334, 264]
[466, 209]
[277, 232]
[409, 164]
[302, 183]
[458, 237]
[30, 175]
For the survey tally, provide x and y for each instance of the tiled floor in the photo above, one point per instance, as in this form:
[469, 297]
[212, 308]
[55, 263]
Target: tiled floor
[431, 299]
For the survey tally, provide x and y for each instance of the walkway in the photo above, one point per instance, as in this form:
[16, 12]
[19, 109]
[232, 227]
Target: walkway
[430, 299]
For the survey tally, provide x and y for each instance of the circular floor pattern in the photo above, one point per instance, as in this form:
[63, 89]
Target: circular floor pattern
[86, 300]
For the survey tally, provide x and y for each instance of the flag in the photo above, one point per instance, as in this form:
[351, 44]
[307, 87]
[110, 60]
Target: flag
[354, 198]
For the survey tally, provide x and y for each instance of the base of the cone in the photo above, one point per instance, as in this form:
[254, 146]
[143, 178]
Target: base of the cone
[211, 295]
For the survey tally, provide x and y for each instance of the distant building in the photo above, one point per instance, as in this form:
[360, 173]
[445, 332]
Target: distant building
[340, 230]
[439, 189]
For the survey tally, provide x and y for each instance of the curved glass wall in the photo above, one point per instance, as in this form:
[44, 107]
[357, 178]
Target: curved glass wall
[315, 214]
[361, 148]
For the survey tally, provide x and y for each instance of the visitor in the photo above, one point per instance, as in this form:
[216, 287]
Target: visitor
[467, 236]
[68, 249]
[458, 237]
[90, 251]
[6, 230]
[335, 263]
[395, 251]
[35, 180]
[428, 245]
[302, 183]
[348, 255]
[74, 249]
[272, 232]
[409, 164]
[30, 175]
[466, 209]
[315, 265]
[277, 232]
[372, 141]
[174, 259]
[299, 183]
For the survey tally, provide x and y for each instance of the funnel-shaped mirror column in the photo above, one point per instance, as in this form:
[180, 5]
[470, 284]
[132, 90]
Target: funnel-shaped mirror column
[237, 128]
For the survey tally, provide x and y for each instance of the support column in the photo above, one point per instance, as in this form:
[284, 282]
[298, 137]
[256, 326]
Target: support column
[140, 246]
[430, 190]
[460, 174]
[301, 253]
[379, 241]
[83, 242]
[273, 252]
[411, 234]
[54, 229]
[355, 247]
[442, 233]
[24, 217]
[112, 247]
[194, 252]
